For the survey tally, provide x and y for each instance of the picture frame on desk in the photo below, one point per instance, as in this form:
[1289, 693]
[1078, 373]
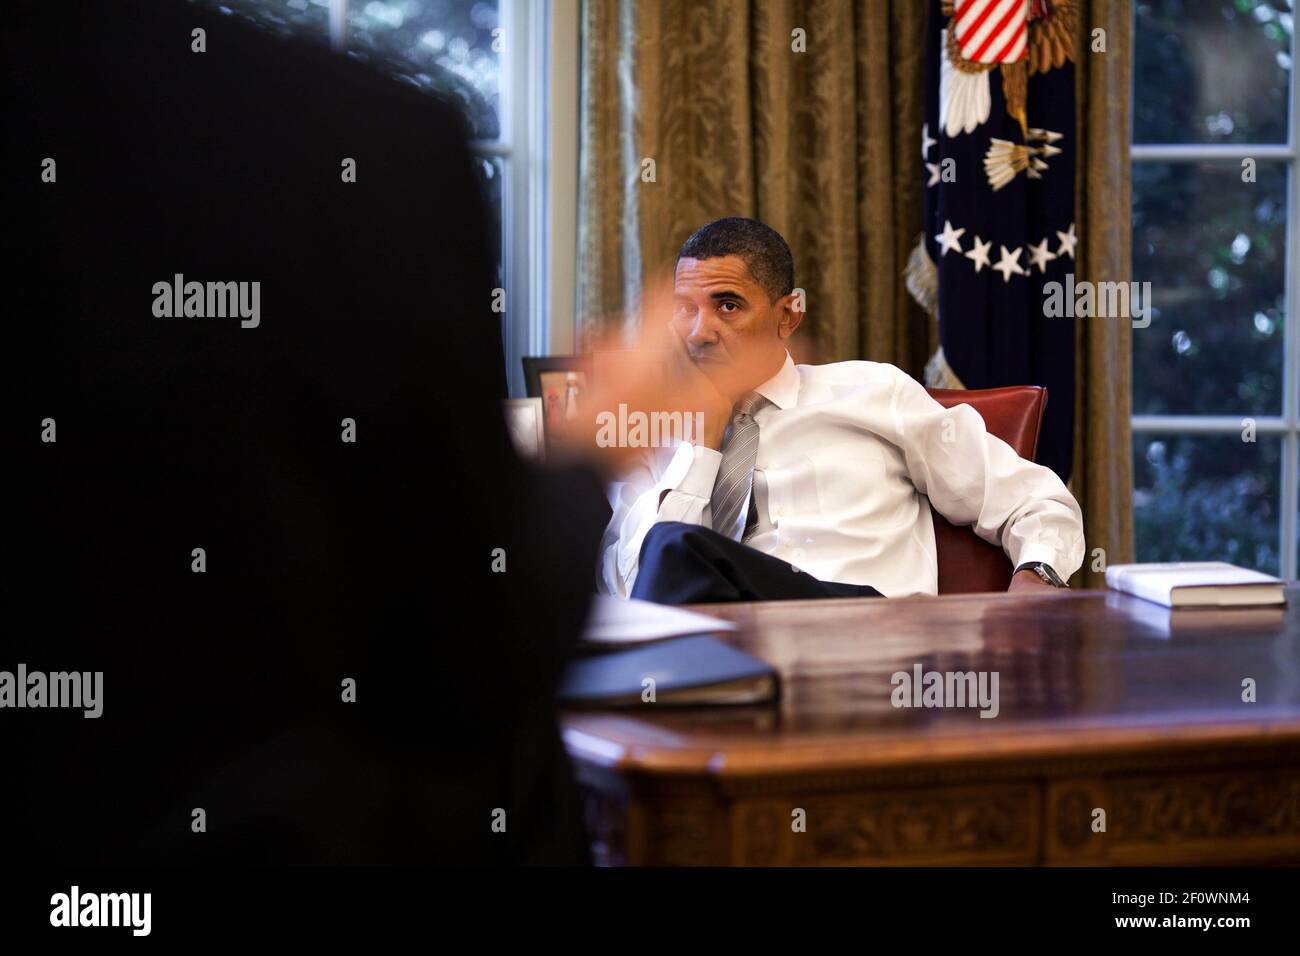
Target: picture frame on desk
[561, 380]
[556, 381]
[524, 423]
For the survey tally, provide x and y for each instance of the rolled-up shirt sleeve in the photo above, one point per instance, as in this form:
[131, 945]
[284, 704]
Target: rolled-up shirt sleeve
[652, 492]
[976, 479]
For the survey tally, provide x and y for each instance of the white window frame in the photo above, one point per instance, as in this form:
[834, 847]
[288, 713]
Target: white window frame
[1286, 425]
[538, 150]
[539, 105]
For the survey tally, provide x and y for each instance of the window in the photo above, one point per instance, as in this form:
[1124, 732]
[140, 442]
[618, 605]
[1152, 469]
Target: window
[495, 58]
[1216, 375]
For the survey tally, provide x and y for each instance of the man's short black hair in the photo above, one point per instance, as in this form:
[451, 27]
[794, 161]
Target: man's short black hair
[764, 250]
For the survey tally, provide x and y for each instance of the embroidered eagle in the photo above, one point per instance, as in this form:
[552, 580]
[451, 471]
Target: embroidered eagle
[1020, 38]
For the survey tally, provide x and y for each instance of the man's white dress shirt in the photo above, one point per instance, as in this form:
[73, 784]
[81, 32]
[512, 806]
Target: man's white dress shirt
[848, 455]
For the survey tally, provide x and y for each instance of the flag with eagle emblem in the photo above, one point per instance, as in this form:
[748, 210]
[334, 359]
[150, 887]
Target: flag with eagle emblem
[997, 158]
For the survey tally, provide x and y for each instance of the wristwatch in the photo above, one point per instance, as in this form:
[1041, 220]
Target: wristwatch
[1044, 571]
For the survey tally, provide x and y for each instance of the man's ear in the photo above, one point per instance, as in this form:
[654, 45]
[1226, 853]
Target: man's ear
[790, 314]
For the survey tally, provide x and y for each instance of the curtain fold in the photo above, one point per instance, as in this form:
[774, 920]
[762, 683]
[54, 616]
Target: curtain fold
[805, 114]
[1103, 443]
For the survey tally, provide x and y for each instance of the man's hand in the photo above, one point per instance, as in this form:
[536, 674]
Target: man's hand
[688, 379]
[1029, 581]
[655, 374]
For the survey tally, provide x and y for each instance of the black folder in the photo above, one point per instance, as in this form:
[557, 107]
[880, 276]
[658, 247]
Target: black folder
[698, 670]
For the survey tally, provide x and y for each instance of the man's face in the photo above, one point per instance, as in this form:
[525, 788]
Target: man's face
[732, 330]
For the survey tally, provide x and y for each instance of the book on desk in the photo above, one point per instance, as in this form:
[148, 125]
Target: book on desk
[1194, 584]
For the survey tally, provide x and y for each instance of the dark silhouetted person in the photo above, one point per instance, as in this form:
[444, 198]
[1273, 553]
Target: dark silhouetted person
[326, 564]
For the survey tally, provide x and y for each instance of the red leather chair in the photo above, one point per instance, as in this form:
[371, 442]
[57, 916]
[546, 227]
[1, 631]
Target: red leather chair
[968, 563]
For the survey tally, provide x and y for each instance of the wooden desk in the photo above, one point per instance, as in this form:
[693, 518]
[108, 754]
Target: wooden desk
[1106, 702]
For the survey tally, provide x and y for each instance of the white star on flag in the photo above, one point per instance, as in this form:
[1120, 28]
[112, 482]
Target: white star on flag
[950, 238]
[1009, 263]
[926, 141]
[979, 254]
[1068, 239]
[1039, 256]
[934, 174]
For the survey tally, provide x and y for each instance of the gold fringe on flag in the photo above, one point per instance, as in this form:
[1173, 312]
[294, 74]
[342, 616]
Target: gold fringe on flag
[920, 275]
[922, 278]
[939, 374]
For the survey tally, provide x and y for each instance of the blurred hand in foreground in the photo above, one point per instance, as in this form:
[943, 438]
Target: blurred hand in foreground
[656, 379]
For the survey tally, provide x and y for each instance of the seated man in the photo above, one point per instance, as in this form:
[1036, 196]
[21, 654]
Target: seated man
[812, 480]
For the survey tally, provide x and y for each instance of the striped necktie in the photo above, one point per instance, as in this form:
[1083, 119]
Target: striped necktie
[736, 473]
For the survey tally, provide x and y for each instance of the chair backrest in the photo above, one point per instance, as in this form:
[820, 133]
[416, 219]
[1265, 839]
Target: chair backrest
[968, 563]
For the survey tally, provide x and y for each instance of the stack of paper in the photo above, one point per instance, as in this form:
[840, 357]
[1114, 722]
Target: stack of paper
[617, 621]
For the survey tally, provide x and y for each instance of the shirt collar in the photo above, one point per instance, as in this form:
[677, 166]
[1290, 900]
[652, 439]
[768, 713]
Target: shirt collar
[782, 389]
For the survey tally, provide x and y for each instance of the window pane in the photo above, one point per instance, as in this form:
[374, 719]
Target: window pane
[444, 46]
[1207, 498]
[300, 18]
[1212, 71]
[1213, 249]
